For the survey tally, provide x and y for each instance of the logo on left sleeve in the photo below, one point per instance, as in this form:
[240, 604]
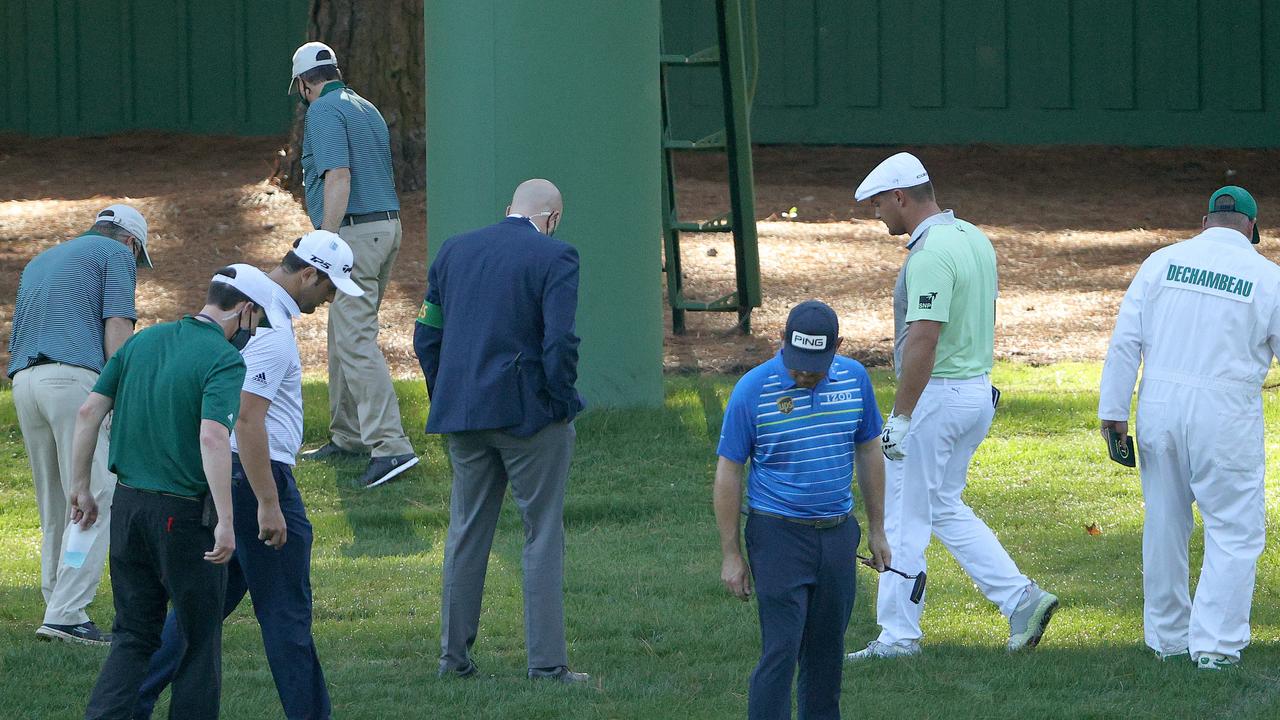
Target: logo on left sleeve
[926, 301]
[260, 378]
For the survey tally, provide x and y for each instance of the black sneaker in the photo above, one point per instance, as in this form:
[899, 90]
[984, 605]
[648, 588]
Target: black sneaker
[86, 633]
[470, 671]
[561, 674]
[330, 451]
[384, 469]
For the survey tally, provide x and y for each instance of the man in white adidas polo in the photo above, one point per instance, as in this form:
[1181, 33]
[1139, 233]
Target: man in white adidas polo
[273, 536]
[1202, 317]
[944, 307]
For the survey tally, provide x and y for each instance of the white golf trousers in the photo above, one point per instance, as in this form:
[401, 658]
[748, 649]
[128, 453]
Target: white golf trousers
[922, 498]
[1200, 443]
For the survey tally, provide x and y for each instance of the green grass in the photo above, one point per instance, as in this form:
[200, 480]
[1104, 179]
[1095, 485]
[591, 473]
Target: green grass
[646, 613]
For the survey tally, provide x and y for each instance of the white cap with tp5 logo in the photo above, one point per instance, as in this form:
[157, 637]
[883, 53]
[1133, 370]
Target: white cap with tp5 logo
[330, 254]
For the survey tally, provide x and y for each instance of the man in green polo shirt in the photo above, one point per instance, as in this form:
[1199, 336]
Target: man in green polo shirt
[944, 314]
[175, 392]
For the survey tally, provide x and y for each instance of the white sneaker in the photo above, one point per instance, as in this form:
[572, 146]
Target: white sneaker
[1215, 661]
[876, 649]
[1172, 655]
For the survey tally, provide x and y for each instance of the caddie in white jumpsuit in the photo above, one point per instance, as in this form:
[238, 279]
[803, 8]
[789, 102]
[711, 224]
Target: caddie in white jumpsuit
[944, 316]
[1203, 318]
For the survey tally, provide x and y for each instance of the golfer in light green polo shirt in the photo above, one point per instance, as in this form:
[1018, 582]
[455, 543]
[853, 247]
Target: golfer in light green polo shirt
[951, 279]
[945, 315]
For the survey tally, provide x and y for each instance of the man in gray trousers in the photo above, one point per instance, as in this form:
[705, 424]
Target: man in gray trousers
[495, 338]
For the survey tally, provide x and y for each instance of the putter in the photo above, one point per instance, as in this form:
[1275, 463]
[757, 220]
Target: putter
[917, 590]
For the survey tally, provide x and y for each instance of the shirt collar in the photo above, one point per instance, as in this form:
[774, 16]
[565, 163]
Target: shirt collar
[518, 216]
[284, 302]
[1226, 235]
[946, 217]
[780, 369]
[331, 86]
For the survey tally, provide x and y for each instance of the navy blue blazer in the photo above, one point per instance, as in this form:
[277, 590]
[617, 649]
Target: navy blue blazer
[500, 353]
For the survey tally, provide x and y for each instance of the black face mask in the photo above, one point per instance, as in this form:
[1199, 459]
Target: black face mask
[240, 338]
[242, 335]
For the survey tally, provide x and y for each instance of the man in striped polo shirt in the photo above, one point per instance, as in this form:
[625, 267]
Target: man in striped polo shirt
[350, 190]
[74, 310]
[805, 419]
[273, 535]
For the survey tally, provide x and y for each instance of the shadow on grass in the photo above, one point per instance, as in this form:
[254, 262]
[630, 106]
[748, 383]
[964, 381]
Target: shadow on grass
[391, 519]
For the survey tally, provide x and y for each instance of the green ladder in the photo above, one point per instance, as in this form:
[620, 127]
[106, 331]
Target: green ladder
[735, 20]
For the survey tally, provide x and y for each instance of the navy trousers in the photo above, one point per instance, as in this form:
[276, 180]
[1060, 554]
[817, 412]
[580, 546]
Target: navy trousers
[279, 581]
[805, 584]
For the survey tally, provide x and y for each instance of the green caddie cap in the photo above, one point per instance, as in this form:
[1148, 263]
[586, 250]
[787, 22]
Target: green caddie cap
[1234, 198]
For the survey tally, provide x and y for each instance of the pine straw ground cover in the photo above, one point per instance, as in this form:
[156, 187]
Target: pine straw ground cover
[647, 615]
[1070, 224]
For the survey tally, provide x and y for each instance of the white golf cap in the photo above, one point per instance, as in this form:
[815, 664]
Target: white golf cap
[132, 222]
[899, 171]
[309, 56]
[330, 254]
[254, 284]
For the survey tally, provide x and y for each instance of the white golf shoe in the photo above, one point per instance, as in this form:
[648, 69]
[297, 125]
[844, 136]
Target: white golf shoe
[876, 649]
[1215, 661]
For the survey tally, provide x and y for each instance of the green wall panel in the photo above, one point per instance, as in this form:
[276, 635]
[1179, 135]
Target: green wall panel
[1143, 72]
[567, 91]
[1127, 72]
[91, 67]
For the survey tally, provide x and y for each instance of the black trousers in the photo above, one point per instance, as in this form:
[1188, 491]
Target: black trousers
[280, 583]
[157, 556]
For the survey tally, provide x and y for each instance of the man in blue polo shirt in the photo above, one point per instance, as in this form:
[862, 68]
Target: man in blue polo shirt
[805, 419]
[74, 309]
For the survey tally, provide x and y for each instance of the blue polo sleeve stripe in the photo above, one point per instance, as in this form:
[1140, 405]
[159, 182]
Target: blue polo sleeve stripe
[738, 429]
[872, 423]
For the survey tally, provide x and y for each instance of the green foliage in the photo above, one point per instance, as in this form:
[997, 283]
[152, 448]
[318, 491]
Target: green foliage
[646, 613]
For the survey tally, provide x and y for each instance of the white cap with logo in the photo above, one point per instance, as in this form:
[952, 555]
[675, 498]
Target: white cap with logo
[899, 171]
[329, 253]
[254, 284]
[310, 56]
[132, 222]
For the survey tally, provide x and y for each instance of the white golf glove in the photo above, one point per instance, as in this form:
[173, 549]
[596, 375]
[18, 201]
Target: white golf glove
[895, 430]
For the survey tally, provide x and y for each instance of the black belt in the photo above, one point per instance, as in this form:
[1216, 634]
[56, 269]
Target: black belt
[819, 523]
[191, 498]
[371, 217]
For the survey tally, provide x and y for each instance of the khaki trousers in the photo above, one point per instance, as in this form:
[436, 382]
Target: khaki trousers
[363, 409]
[47, 398]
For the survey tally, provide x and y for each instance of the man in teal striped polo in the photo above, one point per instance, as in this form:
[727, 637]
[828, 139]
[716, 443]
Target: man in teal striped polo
[74, 310]
[350, 190]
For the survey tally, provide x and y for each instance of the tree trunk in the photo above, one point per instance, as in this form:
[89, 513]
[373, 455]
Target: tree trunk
[379, 49]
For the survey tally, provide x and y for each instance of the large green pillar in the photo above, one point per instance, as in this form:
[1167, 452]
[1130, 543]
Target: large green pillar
[566, 90]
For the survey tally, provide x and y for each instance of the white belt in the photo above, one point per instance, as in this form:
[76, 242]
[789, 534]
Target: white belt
[1202, 381]
[983, 379]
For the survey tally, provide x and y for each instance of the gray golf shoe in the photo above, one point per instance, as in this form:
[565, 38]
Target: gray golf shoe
[1030, 618]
